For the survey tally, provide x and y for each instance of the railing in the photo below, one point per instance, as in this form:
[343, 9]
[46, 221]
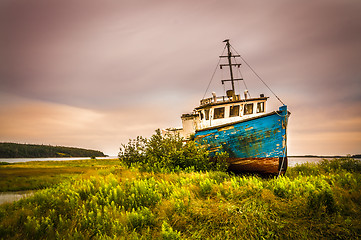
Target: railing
[218, 99]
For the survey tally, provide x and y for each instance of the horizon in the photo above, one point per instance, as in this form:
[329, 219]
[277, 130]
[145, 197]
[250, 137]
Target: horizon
[107, 155]
[94, 75]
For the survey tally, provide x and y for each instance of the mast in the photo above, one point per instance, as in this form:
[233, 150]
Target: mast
[230, 65]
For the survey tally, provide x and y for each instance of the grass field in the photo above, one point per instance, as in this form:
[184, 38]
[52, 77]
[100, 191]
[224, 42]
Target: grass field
[42, 174]
[102, 199]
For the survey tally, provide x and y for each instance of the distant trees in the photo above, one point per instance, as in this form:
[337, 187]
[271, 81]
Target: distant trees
[16, 150]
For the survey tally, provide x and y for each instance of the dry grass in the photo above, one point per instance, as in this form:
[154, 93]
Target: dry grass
[42, 174]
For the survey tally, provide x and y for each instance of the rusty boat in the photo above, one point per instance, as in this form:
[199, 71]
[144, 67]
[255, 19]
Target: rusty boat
[255, 140]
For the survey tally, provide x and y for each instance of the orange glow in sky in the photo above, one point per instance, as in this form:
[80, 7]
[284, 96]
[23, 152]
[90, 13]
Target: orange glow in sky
[94, 74]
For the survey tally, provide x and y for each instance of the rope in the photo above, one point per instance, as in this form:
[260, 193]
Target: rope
[257, 75]
[281, 115]
[239, 86]
[213, 73]
[283, 159]
[285, 150]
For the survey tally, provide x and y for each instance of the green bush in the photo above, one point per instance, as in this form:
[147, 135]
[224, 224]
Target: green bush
[169, 153]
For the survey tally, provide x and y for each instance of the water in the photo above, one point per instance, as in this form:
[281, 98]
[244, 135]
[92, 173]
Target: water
[293, 161]
[16, 160]
[8, 197]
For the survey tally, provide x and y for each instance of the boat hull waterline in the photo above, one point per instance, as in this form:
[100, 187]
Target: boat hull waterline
[256, 145]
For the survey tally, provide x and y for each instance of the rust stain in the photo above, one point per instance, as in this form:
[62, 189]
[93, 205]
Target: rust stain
[258, 165]
[215, 149]
[226, 128]
[203, 136]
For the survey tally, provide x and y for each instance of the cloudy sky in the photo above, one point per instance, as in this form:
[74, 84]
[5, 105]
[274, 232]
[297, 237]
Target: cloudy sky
[93, 74]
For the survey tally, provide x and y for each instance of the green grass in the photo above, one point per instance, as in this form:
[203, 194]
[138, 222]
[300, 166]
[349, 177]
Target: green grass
[43, 174]
[112, 202]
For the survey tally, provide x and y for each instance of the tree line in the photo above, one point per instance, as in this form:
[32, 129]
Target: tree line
[17, 150]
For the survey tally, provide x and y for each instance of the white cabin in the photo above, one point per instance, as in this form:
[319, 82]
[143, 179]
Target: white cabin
[218, 111]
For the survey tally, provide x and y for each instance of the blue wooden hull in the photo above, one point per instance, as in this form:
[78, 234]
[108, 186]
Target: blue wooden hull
[254, 145]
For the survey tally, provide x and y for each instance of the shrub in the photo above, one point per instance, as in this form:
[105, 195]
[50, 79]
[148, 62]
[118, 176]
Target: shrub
[133, 152]
[168, 153]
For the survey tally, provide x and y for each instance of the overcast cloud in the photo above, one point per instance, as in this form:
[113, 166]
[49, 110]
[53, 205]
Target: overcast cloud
[95, 73]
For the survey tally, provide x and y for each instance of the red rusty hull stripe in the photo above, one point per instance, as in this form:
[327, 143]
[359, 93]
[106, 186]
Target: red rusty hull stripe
[259, 165]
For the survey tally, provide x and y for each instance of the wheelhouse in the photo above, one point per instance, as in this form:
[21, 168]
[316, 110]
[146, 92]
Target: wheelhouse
[217, 111]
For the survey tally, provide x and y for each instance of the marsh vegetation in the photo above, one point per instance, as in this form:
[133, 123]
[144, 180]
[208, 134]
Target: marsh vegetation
[43, 174]
[112, 200]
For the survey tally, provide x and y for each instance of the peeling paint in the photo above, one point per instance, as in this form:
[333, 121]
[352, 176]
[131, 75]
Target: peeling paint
[226, 128]
[261, 139]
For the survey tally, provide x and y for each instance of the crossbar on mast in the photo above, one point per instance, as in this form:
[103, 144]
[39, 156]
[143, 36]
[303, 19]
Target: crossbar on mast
[230, 65]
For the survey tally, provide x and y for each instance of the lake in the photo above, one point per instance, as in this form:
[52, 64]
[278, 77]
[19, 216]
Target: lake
[16, 160]
[8, 197]
[292, 161]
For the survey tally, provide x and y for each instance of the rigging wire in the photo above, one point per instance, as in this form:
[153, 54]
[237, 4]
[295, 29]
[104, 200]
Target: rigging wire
[223, 85]
[257, 75]
[244, 81]
[239, 85]
[213, 73]
[239, 75]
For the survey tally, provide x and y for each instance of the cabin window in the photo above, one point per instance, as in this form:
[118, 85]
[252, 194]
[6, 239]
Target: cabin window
[260, 107]
[201, 115]
[234, 111]
[206, 112]
[248, 108]
[219, 113]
